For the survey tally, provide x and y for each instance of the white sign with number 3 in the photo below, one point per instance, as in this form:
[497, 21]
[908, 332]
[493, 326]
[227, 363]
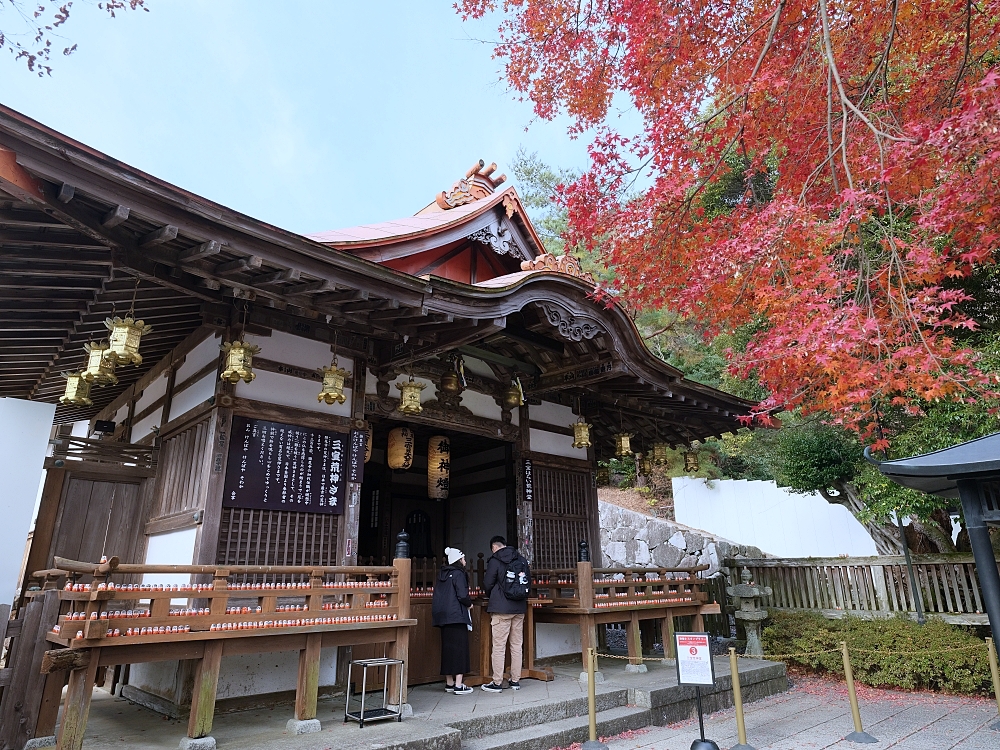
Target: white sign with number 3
[694, 659]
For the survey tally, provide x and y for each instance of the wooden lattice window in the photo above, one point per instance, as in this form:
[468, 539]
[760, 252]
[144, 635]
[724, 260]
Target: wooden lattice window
[276, 537]
[182, 483]
[561, 513]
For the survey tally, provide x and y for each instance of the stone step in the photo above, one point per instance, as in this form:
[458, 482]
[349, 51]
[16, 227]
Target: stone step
[562, 732]
[531, 714]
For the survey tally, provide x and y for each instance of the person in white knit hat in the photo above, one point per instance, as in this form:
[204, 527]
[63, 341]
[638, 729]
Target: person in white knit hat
[450, 609]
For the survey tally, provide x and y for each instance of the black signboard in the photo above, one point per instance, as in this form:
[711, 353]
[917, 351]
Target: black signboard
[274, 466]
[356, 464]
[529, 482]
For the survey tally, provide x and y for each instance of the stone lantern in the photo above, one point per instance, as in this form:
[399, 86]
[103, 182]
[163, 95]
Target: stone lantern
[745, 597]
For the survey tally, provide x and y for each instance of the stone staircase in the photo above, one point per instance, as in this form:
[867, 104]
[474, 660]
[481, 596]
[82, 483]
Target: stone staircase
[555, 714]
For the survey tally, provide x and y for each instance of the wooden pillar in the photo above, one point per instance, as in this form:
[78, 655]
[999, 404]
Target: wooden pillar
[77, 704]
[698, 622]
[632, 636]
[206, 682]
[525, 495]
[48, 712]
[307, 687]
[347, 541]
[588, 636]
[212, 467]
[400, 647]
[668, 637]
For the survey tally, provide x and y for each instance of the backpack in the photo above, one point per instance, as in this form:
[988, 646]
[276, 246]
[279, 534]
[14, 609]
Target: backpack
[516, 580]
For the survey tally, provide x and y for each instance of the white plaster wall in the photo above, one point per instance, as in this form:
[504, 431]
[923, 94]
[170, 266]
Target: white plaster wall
[285, 390]
[256, 674]
[145, 426]
[553, 444]
[24, 439]
[156, 677]
[121, 414]
[551, 413]
[778, 521]
[371, 383]
[483, 405]
[295, 350]
[206, 352]
[553, 639]
[151, 393]
[170, 548]
[196, 393]
[478, 367]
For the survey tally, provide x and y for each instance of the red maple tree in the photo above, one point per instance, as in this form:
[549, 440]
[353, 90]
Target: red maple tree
[863, 139]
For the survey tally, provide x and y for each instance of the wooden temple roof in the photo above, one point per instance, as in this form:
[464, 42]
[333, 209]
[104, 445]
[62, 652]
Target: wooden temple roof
[82, 234]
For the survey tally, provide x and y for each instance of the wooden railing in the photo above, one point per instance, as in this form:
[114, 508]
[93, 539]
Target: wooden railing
[870, 587]
[606, 588]
[424, 570]
[142, 457]
[102, 623]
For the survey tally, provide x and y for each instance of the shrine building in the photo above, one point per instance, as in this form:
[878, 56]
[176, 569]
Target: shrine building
[265, 398]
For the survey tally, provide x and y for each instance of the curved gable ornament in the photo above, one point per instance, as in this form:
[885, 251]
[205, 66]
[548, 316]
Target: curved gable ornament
[565, 263]
[568, 325]
[498, 238]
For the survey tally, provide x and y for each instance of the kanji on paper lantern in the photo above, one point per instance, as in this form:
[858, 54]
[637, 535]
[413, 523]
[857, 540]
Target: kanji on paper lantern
[399, 451]
[438, 467]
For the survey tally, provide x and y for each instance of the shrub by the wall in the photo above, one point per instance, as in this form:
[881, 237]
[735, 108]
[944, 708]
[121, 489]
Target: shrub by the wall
[891, 653]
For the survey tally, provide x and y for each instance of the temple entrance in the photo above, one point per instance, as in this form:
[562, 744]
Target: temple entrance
[480, 503]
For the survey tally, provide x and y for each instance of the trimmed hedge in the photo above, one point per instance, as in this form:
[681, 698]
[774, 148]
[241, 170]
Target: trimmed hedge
[889, 653]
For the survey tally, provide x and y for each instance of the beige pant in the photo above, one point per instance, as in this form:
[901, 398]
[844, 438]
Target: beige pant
[502, 627]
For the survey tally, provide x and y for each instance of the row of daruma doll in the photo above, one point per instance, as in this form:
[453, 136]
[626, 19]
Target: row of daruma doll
[399, 455]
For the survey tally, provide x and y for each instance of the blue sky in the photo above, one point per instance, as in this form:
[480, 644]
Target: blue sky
[308, 115]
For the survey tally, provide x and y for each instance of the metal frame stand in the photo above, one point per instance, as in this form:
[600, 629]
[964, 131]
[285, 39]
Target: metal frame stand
[372, 714]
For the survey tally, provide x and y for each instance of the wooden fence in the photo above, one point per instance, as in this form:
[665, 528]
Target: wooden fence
[869, 587]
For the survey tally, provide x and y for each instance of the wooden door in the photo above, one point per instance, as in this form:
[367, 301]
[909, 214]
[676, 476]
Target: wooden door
[562, 515]
[99, 518]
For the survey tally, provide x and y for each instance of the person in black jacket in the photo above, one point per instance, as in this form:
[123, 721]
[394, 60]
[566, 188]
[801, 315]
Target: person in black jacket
[506, 617]
[450, 609]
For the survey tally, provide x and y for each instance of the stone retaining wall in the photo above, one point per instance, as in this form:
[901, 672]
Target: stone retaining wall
[635, 539]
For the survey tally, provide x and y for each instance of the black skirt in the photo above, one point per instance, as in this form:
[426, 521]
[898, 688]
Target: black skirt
[455, 649]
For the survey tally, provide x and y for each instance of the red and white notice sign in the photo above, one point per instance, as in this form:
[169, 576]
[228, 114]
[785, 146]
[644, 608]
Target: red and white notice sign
[694, 659]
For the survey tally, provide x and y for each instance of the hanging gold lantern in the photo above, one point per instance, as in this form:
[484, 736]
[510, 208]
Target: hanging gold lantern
[623, 444]
[126, 333]
[368, 446]
[661, 453]
[100, 365]
[77, 390]
[691, 464]
[333, 385]
[581, 433]
[438, 467]
[450, 383]
[603, 476]
[409, 396]
[399, 451]
[645, 465]
[513, 396]
[239, 361]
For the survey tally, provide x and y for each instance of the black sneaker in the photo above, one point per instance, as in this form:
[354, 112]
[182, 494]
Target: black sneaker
[513, 685]
[462, 690]
[492, 687]
[449, 688]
